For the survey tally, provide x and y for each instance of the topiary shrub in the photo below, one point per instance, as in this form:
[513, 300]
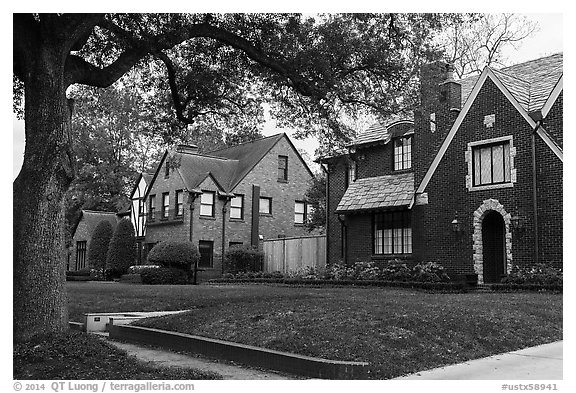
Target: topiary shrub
[99, 244]
[164, 276]
[243, 259]
[122, 251]
[181, 255]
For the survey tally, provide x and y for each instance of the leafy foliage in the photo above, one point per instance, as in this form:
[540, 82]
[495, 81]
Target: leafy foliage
[168, 253]
[122, 251]
[163, 276]
[540, 274]
[316, 199]
[99, 244]
[243, 259]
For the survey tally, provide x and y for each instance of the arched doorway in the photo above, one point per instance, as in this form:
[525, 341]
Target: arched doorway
[493, 247]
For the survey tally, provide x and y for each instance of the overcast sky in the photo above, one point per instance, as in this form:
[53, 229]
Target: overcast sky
[548, 40]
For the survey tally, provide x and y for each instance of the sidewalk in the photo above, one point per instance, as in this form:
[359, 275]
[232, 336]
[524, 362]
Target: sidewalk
[543, 362]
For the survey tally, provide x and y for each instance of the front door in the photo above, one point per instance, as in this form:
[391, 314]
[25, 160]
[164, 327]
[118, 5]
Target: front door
[493, 250]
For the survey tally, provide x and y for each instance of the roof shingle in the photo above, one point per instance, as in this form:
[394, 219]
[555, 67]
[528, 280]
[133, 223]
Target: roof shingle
[378, 192]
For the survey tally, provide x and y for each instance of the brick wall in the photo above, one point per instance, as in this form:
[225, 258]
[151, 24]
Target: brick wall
[554, 121]
[449, 197]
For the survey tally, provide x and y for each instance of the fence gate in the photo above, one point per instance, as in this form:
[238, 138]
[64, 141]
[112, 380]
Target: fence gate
[292, 253]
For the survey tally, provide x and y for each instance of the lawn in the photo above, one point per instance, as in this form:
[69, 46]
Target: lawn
[398, 331]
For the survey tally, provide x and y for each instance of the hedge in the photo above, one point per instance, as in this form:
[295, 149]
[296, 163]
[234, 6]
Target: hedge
[442, 286]
[243, 259]
[182, 255]
[122, 251]
[99, 245]
[164, 276]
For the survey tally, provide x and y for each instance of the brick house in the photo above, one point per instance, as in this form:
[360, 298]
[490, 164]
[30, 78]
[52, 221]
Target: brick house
[82, 234]
[210, 198]
[474, 182]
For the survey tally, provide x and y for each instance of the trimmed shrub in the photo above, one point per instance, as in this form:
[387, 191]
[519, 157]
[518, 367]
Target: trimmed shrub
[539, 274]
[164, 276]
[122, 250]
[181, 255]
[99, 244]
[243, 259]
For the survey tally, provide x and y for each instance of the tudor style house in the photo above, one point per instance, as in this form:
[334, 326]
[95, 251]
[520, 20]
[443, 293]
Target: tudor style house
[474, 182]
[233, 196]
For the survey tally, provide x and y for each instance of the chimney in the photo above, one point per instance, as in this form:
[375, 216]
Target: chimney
[187, 149]
[450, 90]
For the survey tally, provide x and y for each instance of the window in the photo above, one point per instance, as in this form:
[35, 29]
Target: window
[207, 203]
[152, 210]
[491, 164]
[235, 244]
[237, 207]
[165, 205]
[283, 168]
[140, 207]
[80, 255]
[351, 173]
[206, 249]
[392, 233]
[166, 169]
[403, 153]
[179, 203]
[265, 205]
[299, 212]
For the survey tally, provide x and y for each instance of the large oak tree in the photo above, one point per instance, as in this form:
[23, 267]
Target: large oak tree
[313, 72]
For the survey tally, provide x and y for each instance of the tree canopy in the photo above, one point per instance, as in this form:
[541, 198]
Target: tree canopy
[314, 72]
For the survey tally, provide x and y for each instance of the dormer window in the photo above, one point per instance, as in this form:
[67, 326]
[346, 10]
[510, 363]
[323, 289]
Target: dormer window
[403, 153]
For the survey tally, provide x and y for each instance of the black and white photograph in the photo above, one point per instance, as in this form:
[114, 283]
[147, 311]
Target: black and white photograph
[260, 200]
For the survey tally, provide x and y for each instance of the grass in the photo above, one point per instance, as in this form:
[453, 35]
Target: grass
[75, 356]
[398, 331]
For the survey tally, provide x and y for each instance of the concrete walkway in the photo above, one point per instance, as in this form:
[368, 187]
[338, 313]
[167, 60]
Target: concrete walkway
[164, 358]
[543, 362]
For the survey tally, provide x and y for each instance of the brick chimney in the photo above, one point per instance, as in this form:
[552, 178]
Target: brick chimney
[187, 149]
[450, 90]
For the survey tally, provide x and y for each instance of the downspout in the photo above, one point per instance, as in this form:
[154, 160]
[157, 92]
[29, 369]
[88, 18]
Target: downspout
[224, 210]
[191, 198]
[344, 239]
[326, 214]
[535, 193]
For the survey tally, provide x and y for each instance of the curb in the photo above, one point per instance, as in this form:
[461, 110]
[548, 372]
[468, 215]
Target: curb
[245, 354]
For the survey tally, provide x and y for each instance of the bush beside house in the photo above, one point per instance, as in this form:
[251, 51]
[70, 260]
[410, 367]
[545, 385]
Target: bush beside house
[243, 259]
[99, 245]
[122, 251]
[181, 255]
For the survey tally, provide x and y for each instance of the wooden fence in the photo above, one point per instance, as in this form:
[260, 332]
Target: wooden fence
[292, 253]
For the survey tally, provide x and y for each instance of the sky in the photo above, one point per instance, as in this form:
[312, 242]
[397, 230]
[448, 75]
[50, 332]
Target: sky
[547, 40]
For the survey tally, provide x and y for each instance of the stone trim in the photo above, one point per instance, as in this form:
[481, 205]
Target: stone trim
[487, 206]
[468, 160]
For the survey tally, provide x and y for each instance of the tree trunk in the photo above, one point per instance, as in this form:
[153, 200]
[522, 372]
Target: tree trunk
[38, 196]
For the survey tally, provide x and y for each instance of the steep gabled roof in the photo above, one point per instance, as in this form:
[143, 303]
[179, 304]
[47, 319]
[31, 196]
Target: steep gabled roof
[247, 155]
[92, 218]
[531, 82]
[194, 168]
[227, 167]
[512, 89]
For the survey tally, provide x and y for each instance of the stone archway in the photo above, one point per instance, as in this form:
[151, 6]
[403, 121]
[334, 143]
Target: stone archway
[486, 207]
